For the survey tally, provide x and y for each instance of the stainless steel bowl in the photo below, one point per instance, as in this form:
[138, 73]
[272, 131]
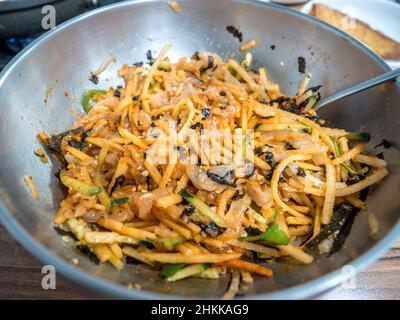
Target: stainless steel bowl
[61, 60]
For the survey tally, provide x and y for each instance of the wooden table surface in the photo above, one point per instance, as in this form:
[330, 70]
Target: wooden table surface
[20, 277]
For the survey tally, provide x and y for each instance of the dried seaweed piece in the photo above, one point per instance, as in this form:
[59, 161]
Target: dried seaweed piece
[53, 143]
[302, 64]
[86, 250]
[337, 230]
[235, 32]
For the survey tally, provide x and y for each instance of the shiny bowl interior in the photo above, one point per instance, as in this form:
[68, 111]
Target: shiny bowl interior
[32, 99]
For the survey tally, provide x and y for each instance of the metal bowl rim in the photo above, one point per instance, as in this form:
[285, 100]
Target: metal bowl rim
[308, 289]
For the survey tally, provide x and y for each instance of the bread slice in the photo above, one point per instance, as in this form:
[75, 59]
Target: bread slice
[381, 44]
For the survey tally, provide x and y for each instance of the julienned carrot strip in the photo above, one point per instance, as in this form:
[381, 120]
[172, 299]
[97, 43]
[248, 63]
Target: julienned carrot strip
[248, 266]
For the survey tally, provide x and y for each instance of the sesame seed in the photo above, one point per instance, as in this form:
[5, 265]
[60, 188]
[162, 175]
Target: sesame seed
[145, 173]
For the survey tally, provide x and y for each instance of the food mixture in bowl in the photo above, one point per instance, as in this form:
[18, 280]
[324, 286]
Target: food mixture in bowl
[203, 167]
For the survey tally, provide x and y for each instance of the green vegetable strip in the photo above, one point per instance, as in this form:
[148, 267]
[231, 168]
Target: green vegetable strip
[210, 273]
[79, 186]
[119, 201]
[85, 101]
[168, 270]
[349, 168]
[165, 65]
[359, 136]
[168, 243]
[338, 153]
[337, 149]
[273, 236]
[104, 198]
[201, 218]
[251, 238]
[188, 272]
[244, 145]
[311, 103]
[77, 228]
[202, 207]
[232, 71]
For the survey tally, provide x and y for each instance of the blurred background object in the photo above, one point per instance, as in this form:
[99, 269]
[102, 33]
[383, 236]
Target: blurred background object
[377, 41]
[21, 21]
[374, 22]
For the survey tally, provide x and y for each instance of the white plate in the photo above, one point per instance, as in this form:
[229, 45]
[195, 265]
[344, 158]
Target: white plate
[381, 15]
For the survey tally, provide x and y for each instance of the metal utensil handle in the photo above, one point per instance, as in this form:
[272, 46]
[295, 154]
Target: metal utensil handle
[359, 87]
